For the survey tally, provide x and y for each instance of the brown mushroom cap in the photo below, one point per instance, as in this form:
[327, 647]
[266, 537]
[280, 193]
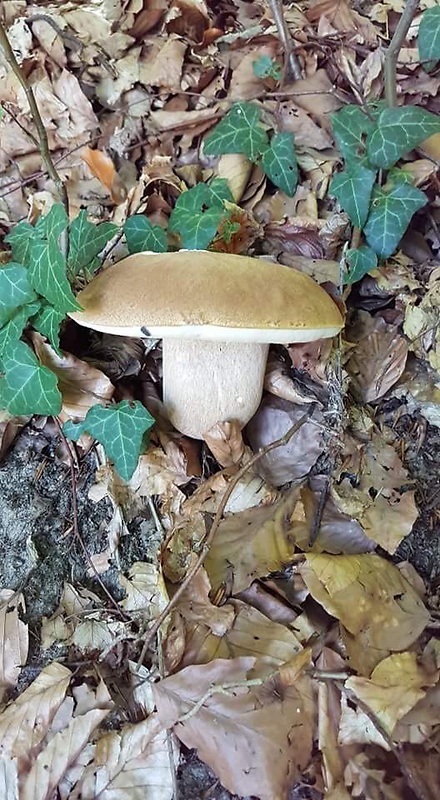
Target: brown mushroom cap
[207, 295]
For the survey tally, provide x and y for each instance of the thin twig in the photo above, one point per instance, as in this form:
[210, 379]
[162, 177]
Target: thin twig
[393, 51]
[216, 523]
[292, 65]
[39, 124]
[220, 689]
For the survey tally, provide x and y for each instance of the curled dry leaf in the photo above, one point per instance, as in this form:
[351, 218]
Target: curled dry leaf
[312, 357]
[225, 442]
[236, 169]
[294, 460]
[257, 739]
[277, 381]
[81, 385]
[102, 167]
[379, 358]
[14, 640]
[10, 427]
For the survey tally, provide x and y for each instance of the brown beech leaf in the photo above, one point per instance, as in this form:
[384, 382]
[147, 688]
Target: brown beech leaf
[378, 359]
[378, 608]
[297, 236]
[395, 686]
[237, 629]
[14, 641]
[251, 544]
[294, 460]
[338, 533]
[225, 442]
[256, 739]
[81, 385]
[373, 490]
[236, 169]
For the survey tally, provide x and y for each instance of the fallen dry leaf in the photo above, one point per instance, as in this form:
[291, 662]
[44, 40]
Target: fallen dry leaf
[271, 737]
[235, 630]
[395, 686]
[252, 543]
[379, 358]
[294, 460]
[368, 595]
[14, 639]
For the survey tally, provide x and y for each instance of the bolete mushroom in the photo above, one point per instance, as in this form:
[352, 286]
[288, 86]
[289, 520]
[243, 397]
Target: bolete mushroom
[217, 314]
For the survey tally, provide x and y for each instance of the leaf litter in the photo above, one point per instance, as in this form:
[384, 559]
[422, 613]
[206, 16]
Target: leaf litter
[301, 660]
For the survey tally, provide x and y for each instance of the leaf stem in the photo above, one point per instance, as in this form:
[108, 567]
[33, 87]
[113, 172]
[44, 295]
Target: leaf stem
[39, 124]
[394, 49]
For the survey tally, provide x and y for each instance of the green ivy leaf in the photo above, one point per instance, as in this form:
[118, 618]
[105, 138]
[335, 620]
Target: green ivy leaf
[119, 428]
[27, 388]
[218, 192]
[399, 130]
[15, 290]
[20, 240]
[239, 132]
[352, 125]
[142, 235]
[360, 261]
[196, 216]
[13, 329]
[53, 223]
[390, 215]
[267, 67]
[47, 274]
[86, 241]
[279, 162]
[353, 190]
[48, 320]
[429, 38]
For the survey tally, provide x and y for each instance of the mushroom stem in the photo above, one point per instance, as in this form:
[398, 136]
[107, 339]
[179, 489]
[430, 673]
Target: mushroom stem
[207, 382]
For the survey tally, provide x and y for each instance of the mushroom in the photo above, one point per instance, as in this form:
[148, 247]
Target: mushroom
[217, 314]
